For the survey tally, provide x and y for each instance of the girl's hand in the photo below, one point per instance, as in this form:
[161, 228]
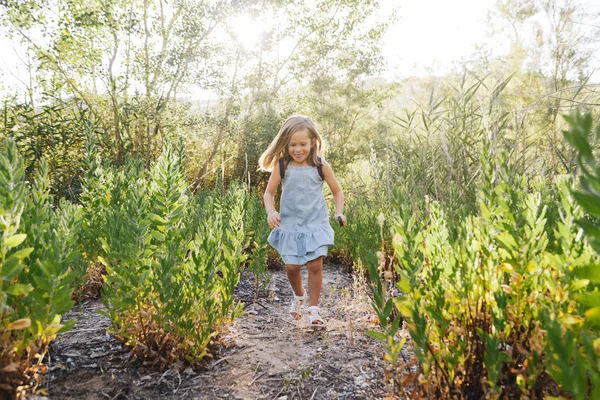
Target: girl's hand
[274, 219]
[343, 219]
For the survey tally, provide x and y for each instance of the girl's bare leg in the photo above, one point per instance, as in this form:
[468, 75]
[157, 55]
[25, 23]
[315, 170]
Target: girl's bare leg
[295, 278]
[315, 280]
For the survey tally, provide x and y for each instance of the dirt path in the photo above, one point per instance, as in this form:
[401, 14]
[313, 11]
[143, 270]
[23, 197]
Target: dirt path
[269, 355]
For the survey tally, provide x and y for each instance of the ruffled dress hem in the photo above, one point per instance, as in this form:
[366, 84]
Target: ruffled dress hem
[298, 247]
[302, 260]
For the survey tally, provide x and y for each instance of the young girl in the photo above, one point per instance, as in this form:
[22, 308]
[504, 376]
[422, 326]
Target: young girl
[302, 232]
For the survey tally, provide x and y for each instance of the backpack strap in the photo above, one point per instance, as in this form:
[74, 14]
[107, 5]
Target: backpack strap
[320, 168]
[281, 168]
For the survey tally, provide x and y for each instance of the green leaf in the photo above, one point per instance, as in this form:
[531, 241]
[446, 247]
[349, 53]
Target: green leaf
[593, 315]
[103, 261]
[395, 325]
[403, 285]
[156, 218]
[589, 202]
[11, 268]
[42, 284]
[590, 272]
[23, 253]
[19, 289]
[578, 284]
[377, 335]
[67, 326]
[589, 228]
[158, 236]
[508, 241]
[591, 299]
[388, 308]
[579, 142]
[15, 240]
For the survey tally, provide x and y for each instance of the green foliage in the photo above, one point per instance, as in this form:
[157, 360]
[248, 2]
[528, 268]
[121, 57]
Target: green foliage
[172, 261]
[56, 264]
[485, 269]
[585, 139]
[13, 198]
[436, 146]
[573, 330]
[258, 231]
[389, 321]
[256, 135]
[97, 183]
[488, 302]
[40, 264]
[52, 133]
[354, 242]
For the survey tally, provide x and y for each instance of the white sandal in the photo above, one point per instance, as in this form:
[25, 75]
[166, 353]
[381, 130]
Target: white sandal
[296, 305]
[315, 320]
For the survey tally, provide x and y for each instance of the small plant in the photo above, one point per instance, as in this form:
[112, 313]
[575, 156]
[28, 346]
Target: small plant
[305, 373]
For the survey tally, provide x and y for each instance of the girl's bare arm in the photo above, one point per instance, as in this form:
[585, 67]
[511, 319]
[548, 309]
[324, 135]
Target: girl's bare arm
[336, 190]
[273, 217]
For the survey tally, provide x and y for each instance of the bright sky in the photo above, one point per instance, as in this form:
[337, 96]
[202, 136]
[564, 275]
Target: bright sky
[427, 38]
[430, 35]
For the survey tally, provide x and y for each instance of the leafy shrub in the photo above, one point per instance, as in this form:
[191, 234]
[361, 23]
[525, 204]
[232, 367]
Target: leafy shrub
[488, 303]
[40, 263]
[172, 261]
[367, 229]
[573, 329]
[50, 132]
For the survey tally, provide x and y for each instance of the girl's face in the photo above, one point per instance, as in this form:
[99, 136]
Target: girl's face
[299, 146]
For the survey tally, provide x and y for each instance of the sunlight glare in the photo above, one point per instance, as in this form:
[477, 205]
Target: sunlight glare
[247, 30]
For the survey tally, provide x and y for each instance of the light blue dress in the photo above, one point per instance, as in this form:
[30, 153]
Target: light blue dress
[304, 233]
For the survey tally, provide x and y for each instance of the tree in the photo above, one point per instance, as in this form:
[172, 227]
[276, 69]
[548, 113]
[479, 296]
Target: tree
[329, 42]
[92, 51]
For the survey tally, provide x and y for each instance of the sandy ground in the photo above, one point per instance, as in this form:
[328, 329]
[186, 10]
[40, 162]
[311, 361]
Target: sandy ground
[268, 356]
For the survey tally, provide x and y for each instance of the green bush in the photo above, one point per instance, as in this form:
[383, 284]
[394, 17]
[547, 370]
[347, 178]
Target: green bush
[488, 303]
[40, 264]
[573, 329]
[367, 229]
[51, 132]
[172, 261]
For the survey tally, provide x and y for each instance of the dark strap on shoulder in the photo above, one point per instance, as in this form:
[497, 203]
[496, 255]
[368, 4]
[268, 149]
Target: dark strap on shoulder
[320, 168]
[281, 168]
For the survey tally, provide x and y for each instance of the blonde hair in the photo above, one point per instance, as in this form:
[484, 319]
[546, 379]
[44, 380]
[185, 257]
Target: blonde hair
[278, 147]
